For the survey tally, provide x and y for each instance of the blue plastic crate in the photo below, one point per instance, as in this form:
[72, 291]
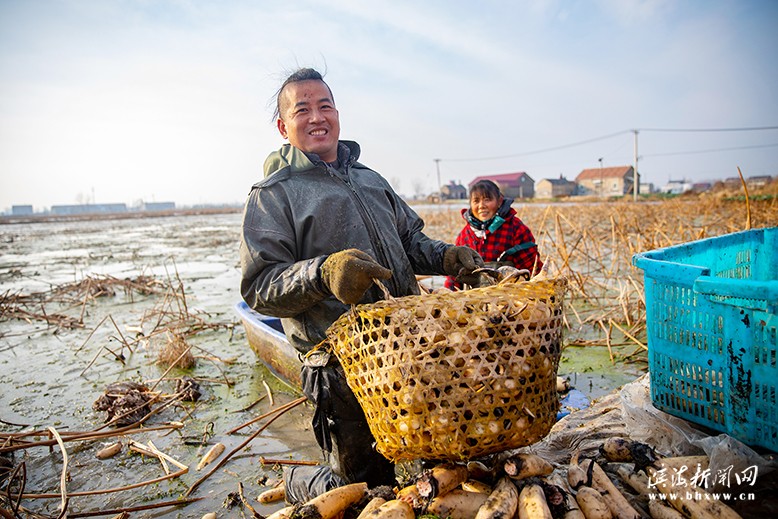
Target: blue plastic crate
[712, 332]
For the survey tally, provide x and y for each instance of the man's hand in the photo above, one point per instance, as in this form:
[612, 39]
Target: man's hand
[348, 274]
[460, 261]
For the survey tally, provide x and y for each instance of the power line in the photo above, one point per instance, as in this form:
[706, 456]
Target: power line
[701, 130]
[616, 134]
[710, 151]
[571, 145]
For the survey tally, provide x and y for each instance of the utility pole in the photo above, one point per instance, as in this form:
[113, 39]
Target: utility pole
[439, 189]
[635, 185]
[437, 166]
[602, 187]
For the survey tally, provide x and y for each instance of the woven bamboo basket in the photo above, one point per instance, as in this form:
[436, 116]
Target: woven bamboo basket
[455, 375]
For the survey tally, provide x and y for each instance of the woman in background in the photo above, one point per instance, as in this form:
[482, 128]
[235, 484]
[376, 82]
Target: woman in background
[495, 231]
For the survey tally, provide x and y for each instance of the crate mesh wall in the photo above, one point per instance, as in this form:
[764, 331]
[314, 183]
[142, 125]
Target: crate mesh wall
[712, 358]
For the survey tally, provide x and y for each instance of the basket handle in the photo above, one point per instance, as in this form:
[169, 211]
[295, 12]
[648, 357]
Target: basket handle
[382, 286]
[669, 271]
[739, 288]
[388, 295]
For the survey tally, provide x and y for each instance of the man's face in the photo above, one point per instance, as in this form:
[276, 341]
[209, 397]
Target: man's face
[309, 120]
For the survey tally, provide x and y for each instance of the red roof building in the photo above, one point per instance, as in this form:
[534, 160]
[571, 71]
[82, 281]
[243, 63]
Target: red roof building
[512, 185]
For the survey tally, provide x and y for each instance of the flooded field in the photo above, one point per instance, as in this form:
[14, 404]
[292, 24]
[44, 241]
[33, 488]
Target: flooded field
[52, 370]
[51, 375]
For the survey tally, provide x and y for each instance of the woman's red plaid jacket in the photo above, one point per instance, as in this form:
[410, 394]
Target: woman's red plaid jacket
[512, 232]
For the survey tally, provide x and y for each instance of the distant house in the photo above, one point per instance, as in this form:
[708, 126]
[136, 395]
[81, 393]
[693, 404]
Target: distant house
[758, 181]
[453, 191]
[606, 182]
[733, 183]
[21, 210]
[512, 185]
[676, 187]
[158, 206]
[88, 208]
[555, 188]
[646, 188]
[701, 187]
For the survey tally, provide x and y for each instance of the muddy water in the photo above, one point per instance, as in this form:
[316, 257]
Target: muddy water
[50, 377]
[46, 378]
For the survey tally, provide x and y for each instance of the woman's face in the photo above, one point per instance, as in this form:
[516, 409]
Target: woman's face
[484, 206]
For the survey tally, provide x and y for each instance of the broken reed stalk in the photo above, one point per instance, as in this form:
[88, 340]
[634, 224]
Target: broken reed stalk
[76, 436]
[624, 300]
[121, 335]
[182, 299]
[628, 335]
[140, 508]
[91, 362]
[607, 339]
[150, 450]
[279, 411]
[90, 336]
[83, 304]
[269, 393]
[282, 408]
[748, 203]
[162, 457]
[21, 471]
[275, 461]
[110, 490]
[161, 315]
[252, 404]
[64, 477]
[246, 503]
[221, 371]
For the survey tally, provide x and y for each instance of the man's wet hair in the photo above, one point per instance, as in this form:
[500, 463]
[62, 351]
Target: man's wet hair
[486, 187]
[301, 74]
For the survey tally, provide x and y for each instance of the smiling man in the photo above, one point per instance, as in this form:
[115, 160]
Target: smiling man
[308, 118]
[317, 231]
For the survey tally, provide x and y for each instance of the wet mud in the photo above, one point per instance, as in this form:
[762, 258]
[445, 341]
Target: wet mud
[52, 375]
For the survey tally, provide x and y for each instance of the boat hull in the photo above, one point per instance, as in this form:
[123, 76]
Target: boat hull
[267, 340]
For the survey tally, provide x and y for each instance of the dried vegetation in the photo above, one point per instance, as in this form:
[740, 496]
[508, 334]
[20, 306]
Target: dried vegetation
[70, 298]
[592, 244]
[166, 327]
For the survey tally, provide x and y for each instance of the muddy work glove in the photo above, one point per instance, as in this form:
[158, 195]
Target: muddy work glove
[460, 262]
[348, 274]
[497, 264]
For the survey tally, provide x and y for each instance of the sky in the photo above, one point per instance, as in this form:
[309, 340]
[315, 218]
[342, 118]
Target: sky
[122, 101]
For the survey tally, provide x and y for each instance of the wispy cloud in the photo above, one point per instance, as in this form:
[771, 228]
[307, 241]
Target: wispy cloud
[169, 99]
